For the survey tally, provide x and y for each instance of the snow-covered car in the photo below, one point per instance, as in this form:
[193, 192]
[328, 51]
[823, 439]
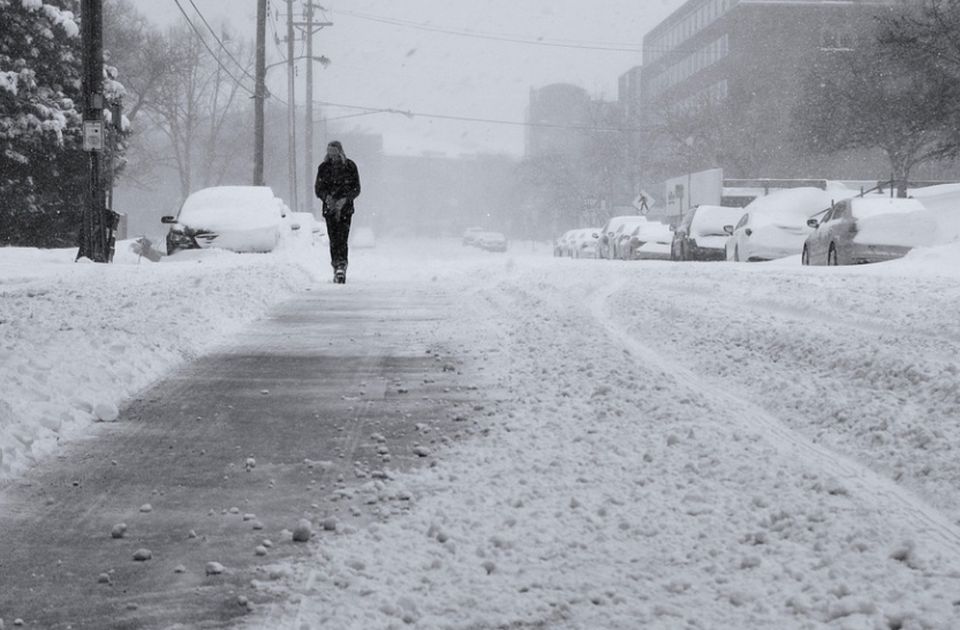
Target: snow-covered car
[868, 230]
[700, 236]
[609, 233]
[237, 218]
[583, 243]
[362, 238]
[305, 227]
[492, 241]
[650, 240]
[561, 247]
[621, 237]
[470, 235]
[775, 226]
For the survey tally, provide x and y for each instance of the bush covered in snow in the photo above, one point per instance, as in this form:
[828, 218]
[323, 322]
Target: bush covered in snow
[41, 162]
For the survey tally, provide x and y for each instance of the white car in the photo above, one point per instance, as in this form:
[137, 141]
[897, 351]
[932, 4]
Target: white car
[606, 244]
[304, 227]
[562, 245]
[650, 240]
[583, 243]
[775, 226]
[237, 218]
[470, 235]
[492, 241]
[868, 230]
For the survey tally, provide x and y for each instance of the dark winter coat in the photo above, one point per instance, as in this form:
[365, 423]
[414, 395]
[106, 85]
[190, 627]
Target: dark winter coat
[339, 180]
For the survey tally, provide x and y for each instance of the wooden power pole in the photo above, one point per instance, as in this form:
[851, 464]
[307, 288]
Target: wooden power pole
[260, 94]
[291, 111]
[311, 28]
[97, 223]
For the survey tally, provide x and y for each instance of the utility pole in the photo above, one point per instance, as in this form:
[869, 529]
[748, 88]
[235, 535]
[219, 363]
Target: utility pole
[97, 223]
[310, 29]
[291, 111]
[260, 94]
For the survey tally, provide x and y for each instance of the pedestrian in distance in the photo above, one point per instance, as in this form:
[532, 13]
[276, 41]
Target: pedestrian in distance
[338, 184]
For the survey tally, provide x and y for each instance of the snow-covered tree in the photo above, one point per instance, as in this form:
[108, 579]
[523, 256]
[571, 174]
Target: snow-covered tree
[42, 165]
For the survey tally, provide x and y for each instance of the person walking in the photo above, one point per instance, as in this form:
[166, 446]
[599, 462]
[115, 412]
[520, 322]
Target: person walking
[338, 184]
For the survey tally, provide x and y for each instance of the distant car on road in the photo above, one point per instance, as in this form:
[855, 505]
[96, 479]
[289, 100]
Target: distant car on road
[237, 218]
[700, 236]
[470, 236]
[868, 230]
[492, 241]
[775, 226]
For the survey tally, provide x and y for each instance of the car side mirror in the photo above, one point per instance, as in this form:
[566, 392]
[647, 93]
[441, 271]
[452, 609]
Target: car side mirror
[748, 232]
[728, 229]
[295, 226]
[813, 223]
[168, 219]
[595, 235]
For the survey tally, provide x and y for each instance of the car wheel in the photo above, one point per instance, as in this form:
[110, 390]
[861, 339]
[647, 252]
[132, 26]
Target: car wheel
[832, 259]
[805, 257]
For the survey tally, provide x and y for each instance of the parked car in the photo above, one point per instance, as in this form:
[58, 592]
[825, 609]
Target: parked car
[700, 235]
[775, 226]
[868, 230]
[650, 240]
[561, 246]
[608, 235]
[305, 227]
[621, 237]
[583, 244]
[470, 236]
[492, 241]
[237, 218]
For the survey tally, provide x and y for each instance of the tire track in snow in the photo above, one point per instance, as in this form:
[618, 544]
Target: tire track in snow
[896, 500]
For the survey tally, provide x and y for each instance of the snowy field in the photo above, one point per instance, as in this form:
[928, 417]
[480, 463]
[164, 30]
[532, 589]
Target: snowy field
[671, 445]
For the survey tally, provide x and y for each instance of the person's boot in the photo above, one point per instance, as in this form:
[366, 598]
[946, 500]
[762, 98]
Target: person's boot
[340, 275]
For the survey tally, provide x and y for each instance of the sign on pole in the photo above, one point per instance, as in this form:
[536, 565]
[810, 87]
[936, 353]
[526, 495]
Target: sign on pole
[93, 135]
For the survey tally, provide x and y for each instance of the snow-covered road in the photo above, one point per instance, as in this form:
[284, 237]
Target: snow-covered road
[674, 446]
[683, 446]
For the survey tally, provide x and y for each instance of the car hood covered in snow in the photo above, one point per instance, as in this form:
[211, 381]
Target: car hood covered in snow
[231, 208]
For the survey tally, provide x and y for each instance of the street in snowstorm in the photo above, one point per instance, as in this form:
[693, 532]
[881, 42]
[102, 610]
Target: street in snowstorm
[487, 315]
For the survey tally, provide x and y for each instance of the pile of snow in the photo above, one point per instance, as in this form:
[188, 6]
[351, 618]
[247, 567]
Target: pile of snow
[76, 340]
[895, 222]
[944, 202]
[790, 208]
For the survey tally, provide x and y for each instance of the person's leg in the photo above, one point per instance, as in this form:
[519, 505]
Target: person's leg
[345, 252]
[332, 237]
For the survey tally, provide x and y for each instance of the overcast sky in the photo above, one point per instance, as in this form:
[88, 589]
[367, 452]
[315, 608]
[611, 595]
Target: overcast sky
[390, 66]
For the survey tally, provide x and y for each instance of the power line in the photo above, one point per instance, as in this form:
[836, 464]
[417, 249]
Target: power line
[491, 121]
[517, 39]
[210, 50]
[489, 36]
[219, 41]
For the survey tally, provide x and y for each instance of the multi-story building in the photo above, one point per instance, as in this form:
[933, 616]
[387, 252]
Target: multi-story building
[751, 56]
[554, 115]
